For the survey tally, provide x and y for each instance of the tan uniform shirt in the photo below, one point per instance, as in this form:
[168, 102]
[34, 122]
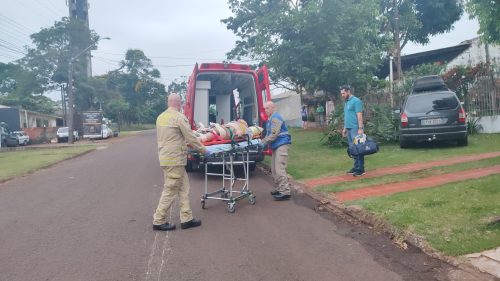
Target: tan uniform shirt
[173, 135]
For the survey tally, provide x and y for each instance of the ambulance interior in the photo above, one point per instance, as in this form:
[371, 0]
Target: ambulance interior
[221, 97]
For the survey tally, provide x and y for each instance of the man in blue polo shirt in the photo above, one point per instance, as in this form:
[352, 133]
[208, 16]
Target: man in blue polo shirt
[353, 126]
[279, 139]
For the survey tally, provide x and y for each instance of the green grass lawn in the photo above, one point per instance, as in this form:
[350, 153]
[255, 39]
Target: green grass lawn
[136, 127]
[309, 159]
[364, 182]
[18, 163]
[455, 219]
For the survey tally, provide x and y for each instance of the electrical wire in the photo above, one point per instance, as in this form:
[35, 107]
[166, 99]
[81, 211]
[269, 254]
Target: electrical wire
[9, 44]
[50, 9]
[27, 7]
[13, 22]
[57, 8]
[12, 49]
[8, 57]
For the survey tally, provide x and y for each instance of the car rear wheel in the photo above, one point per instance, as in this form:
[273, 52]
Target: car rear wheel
[463, 142]
[404, 144]
[189, 167]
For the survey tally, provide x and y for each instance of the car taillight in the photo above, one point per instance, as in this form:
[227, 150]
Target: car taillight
[404, 120]
[461, 115]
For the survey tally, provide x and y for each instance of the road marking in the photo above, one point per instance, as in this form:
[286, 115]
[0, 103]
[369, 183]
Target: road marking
[151, 255]
[157, 261]
[166, 246]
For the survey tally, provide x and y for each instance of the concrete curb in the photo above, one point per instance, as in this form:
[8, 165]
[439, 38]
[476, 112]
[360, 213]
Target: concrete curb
[356, 214]
[400, 238]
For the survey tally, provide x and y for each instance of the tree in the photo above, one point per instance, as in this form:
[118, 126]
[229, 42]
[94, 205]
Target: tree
[416, 21]
[310, 44]
[143, 98]
[50, 56]
[45, 66]
[21, 88]
[487, 13]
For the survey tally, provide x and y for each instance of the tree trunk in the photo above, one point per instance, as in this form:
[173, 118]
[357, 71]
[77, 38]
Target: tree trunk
[397, 42]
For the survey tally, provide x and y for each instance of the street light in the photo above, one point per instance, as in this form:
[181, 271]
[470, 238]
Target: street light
[71, 98]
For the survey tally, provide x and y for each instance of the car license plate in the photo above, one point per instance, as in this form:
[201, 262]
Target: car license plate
[435, 121]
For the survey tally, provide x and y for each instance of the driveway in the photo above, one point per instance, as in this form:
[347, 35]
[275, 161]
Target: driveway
[89, 218]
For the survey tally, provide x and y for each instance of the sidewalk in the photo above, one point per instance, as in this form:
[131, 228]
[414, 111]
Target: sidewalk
[400, 169]
[391, 188]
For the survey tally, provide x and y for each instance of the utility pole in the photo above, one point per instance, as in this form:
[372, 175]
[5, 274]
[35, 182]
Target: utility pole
[71, 95]
[63, 106]
[71, 103]
[79, 10]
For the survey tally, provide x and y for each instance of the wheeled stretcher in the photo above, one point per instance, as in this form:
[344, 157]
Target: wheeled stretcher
[235, 186]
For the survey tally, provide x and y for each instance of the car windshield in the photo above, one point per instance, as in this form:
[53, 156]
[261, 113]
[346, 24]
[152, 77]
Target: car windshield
[63, 130]
[426, 103]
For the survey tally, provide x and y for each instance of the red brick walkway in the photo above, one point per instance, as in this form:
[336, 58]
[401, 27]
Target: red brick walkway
[400, 169]
[387, 189]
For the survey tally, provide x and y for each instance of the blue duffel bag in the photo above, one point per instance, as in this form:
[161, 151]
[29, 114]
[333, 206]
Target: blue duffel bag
[366, 148]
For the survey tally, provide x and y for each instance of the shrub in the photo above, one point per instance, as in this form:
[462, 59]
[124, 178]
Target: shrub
[473, 126]
[310, 117]
[383, 125]
[333, 136]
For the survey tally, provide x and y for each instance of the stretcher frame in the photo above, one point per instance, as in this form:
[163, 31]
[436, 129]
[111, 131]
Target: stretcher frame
[236, 157]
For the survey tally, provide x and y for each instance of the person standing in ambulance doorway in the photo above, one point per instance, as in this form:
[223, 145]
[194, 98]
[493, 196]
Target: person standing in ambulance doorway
[278, 137]
[173, 135]
[353, 126]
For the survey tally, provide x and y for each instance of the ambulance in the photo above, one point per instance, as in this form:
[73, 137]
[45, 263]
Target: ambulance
[224, 92]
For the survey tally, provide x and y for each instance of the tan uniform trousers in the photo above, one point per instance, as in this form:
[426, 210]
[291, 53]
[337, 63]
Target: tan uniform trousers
[278, 168]
[176, 184]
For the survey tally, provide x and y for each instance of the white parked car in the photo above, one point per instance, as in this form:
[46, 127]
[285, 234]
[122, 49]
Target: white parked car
[62, 135]
[106, 131]
[22, 137]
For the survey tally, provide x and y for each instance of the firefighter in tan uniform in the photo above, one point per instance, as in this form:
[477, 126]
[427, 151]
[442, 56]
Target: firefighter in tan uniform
[173, 134]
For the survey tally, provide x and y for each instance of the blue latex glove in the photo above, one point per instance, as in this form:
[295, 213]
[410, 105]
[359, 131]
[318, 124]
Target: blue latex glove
[207, 154]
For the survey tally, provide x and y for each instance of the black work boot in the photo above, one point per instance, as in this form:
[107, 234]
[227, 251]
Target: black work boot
[191, 223]
[281, 197]
[164, 227]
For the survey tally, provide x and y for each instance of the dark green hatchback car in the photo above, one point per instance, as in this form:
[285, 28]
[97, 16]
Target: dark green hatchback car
[430, 116]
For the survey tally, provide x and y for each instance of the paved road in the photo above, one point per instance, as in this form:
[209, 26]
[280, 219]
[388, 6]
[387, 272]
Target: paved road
[89, 218]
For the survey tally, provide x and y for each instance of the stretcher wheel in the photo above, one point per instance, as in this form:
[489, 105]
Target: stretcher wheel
[203, 203]
[251, 199]
[231, 207]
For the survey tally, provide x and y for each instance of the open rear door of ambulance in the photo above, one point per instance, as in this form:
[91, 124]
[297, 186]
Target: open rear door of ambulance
[190, 97]
[263, 95]
[263, 92]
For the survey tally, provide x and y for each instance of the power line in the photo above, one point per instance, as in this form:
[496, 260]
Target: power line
[57, 8]
[12, 49]
[9, 44]
[50, 9]
[29, 30]
[8, 56]
[33, 10]
[13, 36]
[13, 28]
[159, 57]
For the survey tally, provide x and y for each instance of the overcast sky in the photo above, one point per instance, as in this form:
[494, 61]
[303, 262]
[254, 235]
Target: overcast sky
[174, 34]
